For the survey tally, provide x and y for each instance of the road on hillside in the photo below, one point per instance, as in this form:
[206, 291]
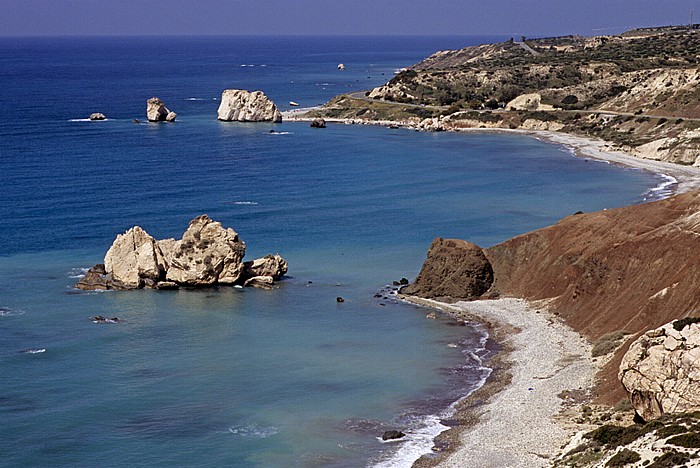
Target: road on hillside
[361, 96]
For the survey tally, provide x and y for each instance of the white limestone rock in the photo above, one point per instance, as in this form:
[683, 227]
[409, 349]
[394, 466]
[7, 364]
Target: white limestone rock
[133, 257]
[661, 371]
[206, 255]
[245, 106]
[156, 110]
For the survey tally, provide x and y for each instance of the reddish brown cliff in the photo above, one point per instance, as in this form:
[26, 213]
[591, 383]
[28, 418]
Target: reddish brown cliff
[633, 268]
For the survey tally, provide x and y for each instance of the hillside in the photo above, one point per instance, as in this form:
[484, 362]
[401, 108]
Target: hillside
[638, 90]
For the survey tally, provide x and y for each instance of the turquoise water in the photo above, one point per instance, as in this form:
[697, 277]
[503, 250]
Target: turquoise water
[238, 377]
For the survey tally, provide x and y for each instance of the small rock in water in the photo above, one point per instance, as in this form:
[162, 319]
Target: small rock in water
[392, 435]
[395, 283]
[339, 299]
[403, 281]
[431, 316]
[97, 116]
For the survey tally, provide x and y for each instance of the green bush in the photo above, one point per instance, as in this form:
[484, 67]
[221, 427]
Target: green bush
[684, 322]
[624, 457]
[691, 440]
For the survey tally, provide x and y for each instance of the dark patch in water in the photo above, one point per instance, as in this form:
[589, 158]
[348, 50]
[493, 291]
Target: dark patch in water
[179, 421]
[17, 404]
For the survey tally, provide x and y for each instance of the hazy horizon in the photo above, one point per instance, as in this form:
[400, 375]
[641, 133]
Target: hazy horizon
[166, 18]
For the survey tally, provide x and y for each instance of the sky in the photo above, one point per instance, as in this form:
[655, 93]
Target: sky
[532, 18]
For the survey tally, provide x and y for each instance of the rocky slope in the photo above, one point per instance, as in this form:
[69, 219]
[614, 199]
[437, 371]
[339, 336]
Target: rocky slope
[623, 270]
[639, 90]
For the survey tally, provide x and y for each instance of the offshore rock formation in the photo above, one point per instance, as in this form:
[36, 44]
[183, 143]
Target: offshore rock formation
[661, 370]
[207, 255]
[454, 269]
[97, 116]
[245, 106]
[157, 112]
[629, 269]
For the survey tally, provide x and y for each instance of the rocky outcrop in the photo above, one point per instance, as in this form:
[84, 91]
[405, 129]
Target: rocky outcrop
[133, 257]
[157, 112]
[245, 106]
[97, 116]
[661, 370]
[454, 269]
[526, 102]
[630, 269]
[208, 254]
[318, 123]
[270, 265]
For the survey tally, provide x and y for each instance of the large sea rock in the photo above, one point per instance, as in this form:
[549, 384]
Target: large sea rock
[207, 254]
[454, 269]
[245, 106]
[661, 370]
[134, 257]
[157, 112]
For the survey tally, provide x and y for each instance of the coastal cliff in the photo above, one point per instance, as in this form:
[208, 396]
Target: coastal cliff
[622, 270]
[639, 91]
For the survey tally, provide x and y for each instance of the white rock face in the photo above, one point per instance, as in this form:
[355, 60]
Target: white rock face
[661, 371]
[207, 254]
[133, 257]
[273, 266]
[245, 106]
[156, 110]
[529, 102]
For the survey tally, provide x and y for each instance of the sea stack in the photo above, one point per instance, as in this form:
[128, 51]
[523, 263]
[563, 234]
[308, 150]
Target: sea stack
[245, 106]
[207, 255]
[157, 112]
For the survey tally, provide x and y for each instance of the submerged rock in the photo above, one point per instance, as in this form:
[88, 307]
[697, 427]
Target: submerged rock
[453, 269]
[245, 106]
[661, 370]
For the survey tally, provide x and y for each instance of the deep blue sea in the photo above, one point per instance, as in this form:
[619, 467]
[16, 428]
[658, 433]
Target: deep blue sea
[232, 377]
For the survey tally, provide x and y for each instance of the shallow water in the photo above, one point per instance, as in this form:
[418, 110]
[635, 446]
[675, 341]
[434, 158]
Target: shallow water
[229, 376]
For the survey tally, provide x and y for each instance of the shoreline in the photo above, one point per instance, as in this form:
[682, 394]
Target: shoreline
[523, 414]
[514, 419]
[686, 178]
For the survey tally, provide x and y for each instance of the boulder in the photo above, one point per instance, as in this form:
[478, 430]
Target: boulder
[97, 116]
[661, 370]
[133, 257]
[273, 266]
[392, 435]
[156, 110]
[454, 269]
[318, 123]
[245, 106]
[171, 117]
[263, 282]
[207, 254]
[94, 279]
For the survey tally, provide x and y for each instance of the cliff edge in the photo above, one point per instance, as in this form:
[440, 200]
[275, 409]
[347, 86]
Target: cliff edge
[626, 270]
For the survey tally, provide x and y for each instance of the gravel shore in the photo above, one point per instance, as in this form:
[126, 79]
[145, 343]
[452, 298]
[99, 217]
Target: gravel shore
[515, 424]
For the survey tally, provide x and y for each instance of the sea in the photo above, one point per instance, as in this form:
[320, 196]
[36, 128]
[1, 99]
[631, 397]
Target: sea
[246, 377]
